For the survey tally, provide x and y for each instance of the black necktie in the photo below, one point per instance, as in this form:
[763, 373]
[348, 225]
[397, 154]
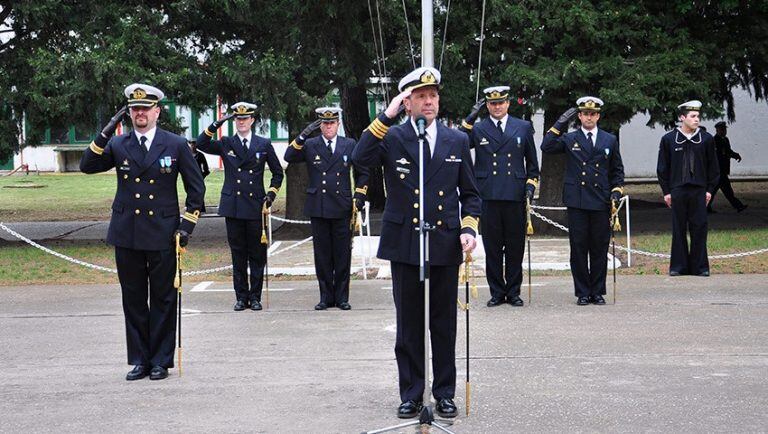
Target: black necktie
[589, 137]
[143, 145]
[245, 144]
[427, 152]
[498, 125]
[330, 148]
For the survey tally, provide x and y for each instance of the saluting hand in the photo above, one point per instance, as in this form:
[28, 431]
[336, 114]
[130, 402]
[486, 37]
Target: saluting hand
[308, 130]
[394, 106]
[109, 129]
[568, 115]
[476, 109]
[215, 125]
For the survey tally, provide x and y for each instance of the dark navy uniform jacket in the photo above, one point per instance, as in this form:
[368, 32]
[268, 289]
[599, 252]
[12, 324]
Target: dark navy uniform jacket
[672, 149]
[724, 154]
[329, 194]
[449, 181]
[591, 172]
[504, 163]
[145, 212]
[242, 195]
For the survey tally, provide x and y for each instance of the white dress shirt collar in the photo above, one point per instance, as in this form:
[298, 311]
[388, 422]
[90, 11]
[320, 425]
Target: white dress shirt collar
[431, 133]
[503, 122]
[150, 135]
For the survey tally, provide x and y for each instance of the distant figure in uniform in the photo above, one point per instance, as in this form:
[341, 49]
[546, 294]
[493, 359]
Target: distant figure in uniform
[507, 172]
[449, 182]
[688, 175]
[202, 162]
[329, 202]
[594, 176]
[243, 198]
[724, 155]
[145, 222]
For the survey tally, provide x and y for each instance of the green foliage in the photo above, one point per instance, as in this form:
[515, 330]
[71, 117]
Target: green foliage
[68, 62]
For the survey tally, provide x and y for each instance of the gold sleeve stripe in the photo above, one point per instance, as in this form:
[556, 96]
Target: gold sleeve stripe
[363, 190]
[95, 149]
[470, 222]
[555, 130]
[466, 125]
[192, 217]
[378, 129]
[375, 130]
[619, 189]
[533, 181]
[274, 189]
[209, 133]
[296, 146]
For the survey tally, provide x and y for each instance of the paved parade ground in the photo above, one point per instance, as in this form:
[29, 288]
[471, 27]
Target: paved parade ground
[680, 354]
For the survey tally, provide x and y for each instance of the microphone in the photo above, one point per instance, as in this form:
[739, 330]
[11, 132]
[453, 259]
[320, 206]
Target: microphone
[421, 125]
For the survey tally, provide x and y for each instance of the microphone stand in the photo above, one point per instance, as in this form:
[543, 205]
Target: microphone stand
[426, 417]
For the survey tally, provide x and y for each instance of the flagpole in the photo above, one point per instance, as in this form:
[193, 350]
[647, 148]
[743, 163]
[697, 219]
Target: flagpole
[427, 34]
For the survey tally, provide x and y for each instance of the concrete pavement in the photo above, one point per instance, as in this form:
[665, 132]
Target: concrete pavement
[675, 354]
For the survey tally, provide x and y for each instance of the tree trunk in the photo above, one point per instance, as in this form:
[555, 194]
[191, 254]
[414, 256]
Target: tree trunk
[551, 187]
[296, 181]
[354, 102]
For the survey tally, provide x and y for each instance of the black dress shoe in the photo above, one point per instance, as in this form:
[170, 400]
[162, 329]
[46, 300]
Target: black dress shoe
[158, 373]
[495, 302]
[742, 208]
[446, 408]
[239, 305]
[675, 273]
[582, 301]
[598, 299]
[321, 306]
[408, 409]
[344, 306]
[137, 373]
[704, 273]
[515, 301]
[255, 305]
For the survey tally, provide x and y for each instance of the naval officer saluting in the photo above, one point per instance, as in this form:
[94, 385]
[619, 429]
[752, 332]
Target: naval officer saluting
[242, 198]
[145, 220]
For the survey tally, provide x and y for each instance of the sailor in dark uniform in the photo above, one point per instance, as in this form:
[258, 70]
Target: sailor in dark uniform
[724, 155]
[507, 172]
[594, 178]
[449, 182]
[329, 202]
[243, 198]
[688, 175]
[145, 220]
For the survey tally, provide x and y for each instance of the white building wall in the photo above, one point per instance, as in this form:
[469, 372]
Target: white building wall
[640, 143]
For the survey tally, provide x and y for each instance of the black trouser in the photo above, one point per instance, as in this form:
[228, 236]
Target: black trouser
[248, 251]
[408, 293]
[503, 228]
[689, 213]
[725, 185]
[332, 243]
[150, 330]
[589, 233]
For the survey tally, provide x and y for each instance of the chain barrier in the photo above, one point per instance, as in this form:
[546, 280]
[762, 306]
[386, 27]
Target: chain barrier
[285, 220]
[365, 223]
[642, 252]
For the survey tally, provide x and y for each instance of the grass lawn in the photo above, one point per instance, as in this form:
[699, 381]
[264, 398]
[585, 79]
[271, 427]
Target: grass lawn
[719, 242]
[21, 264]
[75, 196]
